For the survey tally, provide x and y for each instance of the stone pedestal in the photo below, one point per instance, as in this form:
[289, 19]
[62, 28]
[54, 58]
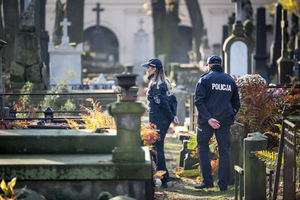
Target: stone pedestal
[236, 148]
[65, 61]
[128, 121]
[254, 169]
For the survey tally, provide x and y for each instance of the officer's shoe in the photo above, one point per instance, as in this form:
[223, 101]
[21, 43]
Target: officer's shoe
[203, 185]
[164, 185]
[223, 190]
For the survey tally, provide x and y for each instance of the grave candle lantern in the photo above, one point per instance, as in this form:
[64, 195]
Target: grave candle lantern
[49, 114]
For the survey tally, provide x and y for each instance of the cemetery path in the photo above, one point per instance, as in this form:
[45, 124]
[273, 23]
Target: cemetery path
[181, 188]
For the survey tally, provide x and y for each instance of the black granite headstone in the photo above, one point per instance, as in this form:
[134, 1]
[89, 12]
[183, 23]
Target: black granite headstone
[285, 64]
[261, 44]
[294, 32]
[275, 50]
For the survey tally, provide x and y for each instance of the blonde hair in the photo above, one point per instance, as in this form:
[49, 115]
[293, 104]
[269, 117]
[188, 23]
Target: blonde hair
[160, 76]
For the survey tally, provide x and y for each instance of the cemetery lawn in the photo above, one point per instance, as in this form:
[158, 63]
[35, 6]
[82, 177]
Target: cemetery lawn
[181, 188]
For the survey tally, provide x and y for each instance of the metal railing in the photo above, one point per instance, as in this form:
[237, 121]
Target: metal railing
[49, 113]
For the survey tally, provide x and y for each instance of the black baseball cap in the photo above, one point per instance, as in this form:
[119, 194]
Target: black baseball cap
[154, 62]
[214, 59]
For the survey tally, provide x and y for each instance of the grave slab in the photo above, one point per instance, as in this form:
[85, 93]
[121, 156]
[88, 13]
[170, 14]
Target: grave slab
[45, 141]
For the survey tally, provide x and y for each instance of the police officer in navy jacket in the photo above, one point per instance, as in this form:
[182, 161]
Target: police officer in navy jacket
[162, 105]
[217, 101]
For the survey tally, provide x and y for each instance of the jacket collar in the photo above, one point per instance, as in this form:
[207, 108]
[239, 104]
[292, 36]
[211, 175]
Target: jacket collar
[217, 68]
[150, 77]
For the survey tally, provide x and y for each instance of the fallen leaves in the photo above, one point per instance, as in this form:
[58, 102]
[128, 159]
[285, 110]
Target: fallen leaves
[159, 194]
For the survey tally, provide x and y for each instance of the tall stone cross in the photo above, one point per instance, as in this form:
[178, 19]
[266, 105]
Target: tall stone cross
[98, 10]
[238, 10]
[65, 37]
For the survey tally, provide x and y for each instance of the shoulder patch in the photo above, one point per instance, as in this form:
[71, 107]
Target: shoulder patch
[156, 99]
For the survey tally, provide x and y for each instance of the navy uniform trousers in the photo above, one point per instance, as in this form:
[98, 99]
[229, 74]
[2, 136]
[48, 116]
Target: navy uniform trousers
[160, 160]
[204, 133]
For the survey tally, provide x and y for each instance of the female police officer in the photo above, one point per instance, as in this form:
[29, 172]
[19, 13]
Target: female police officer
[162, 106]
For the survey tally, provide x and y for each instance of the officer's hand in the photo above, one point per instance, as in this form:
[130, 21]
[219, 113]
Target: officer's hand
[175, 120]
[214, 123]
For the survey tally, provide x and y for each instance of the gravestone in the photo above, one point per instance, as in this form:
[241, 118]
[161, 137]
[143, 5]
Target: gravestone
[72, 164]
[27, 64]
[97, 35]
[275, 49]
[285, 64]
[181, 109]
[236, 148]
[100, 83]
[237, 48]
[65, 60]
[141, 53]
[261, 44]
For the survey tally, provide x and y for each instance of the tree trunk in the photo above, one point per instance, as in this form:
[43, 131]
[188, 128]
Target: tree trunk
[173, 30]
[11, 21]
[75, 16]
[197, 22]
[160, 27]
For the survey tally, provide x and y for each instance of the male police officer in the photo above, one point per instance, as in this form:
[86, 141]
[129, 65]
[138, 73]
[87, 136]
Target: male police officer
[217, 101]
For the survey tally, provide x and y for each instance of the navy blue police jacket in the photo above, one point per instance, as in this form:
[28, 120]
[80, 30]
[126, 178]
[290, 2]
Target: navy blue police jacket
[162, 104]
[216, 97]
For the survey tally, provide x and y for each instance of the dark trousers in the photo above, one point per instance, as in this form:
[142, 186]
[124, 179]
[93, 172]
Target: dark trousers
[160, 160]
[204, 133]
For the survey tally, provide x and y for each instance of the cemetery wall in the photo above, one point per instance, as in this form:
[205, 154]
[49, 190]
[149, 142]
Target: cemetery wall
[122, 17]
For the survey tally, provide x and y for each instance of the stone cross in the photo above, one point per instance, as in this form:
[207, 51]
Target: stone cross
[65, 24]
[98, 10]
